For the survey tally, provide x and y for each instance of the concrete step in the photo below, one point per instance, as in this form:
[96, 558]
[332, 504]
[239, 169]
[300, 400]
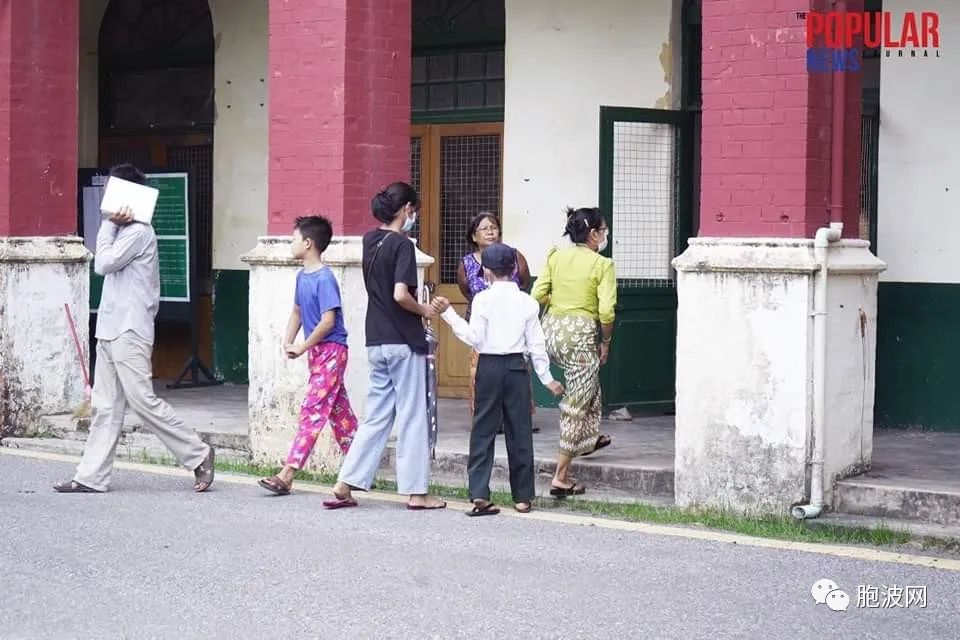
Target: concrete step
[146, 448]
[619, 483]
[646, 483]
[900, 499]
[66, 427]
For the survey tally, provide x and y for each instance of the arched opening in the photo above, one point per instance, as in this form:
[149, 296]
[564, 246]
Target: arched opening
[156, 109]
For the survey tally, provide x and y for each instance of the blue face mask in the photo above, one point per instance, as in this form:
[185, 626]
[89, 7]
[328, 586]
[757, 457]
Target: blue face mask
[409, 222]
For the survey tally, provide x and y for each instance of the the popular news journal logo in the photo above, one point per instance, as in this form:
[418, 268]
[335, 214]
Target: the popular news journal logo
[833, 37]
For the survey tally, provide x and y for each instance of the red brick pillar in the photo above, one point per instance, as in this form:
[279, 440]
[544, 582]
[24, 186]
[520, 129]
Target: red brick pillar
[38, 117]
[339, 108]
[767, 124]
[748, 287]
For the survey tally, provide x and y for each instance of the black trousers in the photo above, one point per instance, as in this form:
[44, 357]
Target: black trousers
[502, 397]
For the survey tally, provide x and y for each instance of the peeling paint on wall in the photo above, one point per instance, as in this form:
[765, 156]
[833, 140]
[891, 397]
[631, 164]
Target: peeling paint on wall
[666, 63]
[39, 365]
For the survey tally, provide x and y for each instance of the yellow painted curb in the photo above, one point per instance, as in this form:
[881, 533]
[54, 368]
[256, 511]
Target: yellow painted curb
[841, 551]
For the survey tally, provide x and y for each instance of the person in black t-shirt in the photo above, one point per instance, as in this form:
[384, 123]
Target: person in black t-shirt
[396, 351]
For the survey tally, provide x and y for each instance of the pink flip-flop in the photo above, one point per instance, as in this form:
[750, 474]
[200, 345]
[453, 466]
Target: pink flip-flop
[337, 503]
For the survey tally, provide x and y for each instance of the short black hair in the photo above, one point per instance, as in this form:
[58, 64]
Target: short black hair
[477, 221]
[502, 272]
[316, 228]
[129, 172]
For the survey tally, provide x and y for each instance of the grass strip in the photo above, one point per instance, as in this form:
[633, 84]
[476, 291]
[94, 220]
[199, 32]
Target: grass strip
[761, 525]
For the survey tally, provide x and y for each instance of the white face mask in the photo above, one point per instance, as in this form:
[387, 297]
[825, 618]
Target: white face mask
[409, 222]
[603, 243]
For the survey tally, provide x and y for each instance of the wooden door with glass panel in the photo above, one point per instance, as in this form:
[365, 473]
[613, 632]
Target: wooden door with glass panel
[456, 169]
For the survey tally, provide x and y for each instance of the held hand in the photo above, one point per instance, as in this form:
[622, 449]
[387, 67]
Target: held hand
[604, 352]
[440, 304]
[556, 389]
[122, 217]
[428, 311]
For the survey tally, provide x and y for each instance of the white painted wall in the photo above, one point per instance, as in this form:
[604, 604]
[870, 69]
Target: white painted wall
[918, 202]
[40, 372]
[240, 133]
[564, 59]
[745, 370]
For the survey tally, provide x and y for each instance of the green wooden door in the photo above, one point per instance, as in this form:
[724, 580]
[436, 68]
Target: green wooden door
[647, 193]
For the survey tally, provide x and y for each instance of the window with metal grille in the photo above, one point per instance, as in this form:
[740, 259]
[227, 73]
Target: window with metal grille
[457, 80]
[118, 154]
[470, 168]
[416, 162]
[198, 160]
[645, 180]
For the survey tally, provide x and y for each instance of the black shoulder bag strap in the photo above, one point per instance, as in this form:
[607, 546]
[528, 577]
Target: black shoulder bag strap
[366, 276]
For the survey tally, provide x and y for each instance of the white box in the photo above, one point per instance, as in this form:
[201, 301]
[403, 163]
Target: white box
[141, 199]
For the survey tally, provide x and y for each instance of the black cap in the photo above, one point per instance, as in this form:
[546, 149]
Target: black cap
[499, 256]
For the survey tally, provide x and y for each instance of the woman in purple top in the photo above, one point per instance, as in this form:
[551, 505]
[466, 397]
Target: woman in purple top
[483, 231]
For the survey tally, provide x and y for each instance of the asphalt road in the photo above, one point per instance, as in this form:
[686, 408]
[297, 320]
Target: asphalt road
[151, 560]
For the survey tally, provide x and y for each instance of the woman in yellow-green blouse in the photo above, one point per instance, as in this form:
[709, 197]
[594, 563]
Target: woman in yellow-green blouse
[579, 287]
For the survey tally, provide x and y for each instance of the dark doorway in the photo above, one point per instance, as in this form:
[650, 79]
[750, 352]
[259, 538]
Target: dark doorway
[156, 110]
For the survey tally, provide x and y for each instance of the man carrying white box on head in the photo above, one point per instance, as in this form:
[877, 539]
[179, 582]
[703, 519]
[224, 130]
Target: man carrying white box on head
[126, 256]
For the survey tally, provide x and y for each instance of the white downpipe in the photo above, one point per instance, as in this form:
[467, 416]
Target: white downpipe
[821, 244]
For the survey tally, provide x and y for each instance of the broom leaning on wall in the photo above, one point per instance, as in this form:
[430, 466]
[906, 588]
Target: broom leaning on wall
[83, 411]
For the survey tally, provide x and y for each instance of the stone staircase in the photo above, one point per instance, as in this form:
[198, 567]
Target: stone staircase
[915, 478]
[915, 500]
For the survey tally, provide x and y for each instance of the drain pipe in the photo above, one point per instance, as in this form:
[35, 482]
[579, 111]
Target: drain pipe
[821, 243]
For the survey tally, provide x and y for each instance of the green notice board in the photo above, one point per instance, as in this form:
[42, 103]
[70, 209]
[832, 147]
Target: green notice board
[171, 223]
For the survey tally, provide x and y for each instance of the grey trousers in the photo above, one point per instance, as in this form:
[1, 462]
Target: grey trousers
[123, 377]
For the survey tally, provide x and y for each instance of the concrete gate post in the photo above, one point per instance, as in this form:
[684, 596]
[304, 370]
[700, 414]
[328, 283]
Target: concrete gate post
[746, 285]
[43, 265]
[339, 99]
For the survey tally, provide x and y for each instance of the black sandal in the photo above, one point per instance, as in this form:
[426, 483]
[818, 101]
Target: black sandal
[562, 492]
[488, 509]
[602, 441]
[204, 473]
[72, 486]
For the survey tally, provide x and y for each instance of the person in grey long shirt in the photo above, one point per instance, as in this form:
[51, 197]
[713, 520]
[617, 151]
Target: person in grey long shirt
[126, 255]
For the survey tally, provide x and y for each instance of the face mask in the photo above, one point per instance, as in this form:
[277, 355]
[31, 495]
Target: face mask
[603, 244]
[409, 222]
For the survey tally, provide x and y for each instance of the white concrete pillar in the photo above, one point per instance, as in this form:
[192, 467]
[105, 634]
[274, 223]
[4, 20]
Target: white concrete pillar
[745, 370]
[40, 373]
[277, 384]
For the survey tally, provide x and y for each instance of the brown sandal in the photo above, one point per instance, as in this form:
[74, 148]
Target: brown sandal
[204, 473]
[275, 484]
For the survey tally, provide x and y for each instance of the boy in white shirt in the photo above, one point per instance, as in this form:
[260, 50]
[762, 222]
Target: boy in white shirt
[504, 325]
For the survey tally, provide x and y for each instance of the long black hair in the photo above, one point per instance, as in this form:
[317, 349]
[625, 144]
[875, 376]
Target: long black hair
[580, 222]
[388, 202]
